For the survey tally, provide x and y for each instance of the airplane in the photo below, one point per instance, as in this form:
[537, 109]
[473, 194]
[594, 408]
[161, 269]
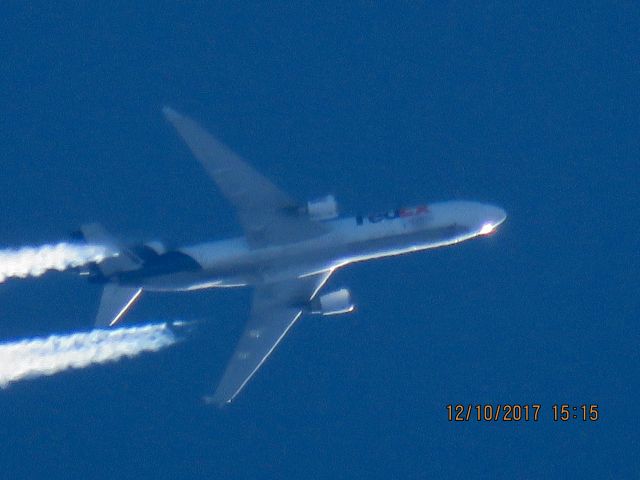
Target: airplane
[287, 254]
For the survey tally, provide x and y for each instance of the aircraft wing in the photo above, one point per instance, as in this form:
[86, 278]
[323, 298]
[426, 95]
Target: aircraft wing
[268, 215]
[276, 307]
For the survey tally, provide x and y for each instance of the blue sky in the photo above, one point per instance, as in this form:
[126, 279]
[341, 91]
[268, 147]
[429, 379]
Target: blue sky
[534, 108]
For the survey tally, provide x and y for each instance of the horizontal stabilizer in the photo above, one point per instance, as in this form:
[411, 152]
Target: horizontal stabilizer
[115, 302]
[96, 234]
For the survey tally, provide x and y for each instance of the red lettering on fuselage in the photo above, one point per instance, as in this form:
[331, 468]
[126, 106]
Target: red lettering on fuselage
[405, 212]
[398, 213]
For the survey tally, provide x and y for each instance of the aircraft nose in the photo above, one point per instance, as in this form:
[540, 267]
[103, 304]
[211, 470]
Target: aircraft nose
[499, 216]
[493, 217]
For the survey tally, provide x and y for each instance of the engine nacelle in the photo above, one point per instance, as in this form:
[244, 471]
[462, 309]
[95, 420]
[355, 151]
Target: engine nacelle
[157, 247]
[324, 208]
[150, 251]
[333, 303]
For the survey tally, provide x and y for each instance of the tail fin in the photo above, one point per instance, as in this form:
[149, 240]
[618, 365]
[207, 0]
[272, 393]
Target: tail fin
[125, 261]
[115, 302]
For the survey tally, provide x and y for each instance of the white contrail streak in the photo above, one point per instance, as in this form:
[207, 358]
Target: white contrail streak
[37, 357]
[34, 261]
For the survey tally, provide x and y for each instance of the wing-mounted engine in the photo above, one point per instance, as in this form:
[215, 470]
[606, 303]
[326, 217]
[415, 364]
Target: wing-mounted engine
[325, 208]
[333, 303]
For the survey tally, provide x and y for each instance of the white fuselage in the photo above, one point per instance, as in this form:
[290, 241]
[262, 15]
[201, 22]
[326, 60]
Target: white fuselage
[232, 263]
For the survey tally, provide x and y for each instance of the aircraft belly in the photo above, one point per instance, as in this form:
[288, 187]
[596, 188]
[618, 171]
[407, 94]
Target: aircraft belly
[257, 266]
[184, 281]
[360, 249]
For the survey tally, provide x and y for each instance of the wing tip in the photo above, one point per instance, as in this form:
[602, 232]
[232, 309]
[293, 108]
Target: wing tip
[170, 114]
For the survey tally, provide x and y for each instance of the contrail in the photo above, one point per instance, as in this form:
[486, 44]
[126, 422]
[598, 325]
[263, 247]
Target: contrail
[34, 261]
[37, 357]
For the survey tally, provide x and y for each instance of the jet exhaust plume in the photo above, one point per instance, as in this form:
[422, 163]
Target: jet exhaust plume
[36, 357]
[35, 261]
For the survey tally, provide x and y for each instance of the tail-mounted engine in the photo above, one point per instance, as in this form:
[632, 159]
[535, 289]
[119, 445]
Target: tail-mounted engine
[158, 247]
[334, 303]
[149, 251]
[324, 208]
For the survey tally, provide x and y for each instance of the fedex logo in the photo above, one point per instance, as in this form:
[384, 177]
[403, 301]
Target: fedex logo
[393, 214]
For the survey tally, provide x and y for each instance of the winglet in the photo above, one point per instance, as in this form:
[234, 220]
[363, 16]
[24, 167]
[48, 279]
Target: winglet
[170, 114]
